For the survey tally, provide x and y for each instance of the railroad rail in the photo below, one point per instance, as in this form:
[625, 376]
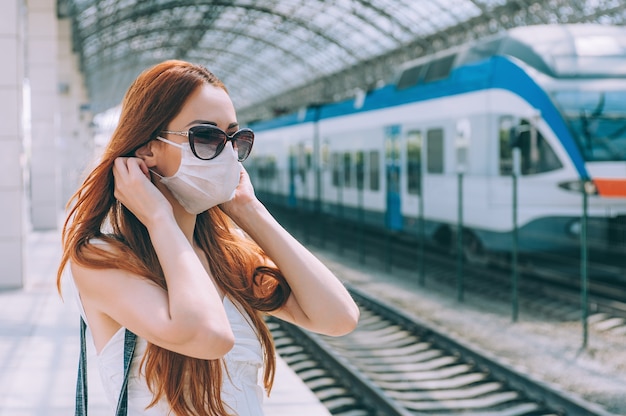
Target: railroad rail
[393, 364]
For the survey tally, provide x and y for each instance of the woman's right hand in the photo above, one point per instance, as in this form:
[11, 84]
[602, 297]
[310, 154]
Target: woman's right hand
[187, 318]
[135, 190]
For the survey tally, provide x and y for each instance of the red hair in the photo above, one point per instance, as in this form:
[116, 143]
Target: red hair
[190, 385]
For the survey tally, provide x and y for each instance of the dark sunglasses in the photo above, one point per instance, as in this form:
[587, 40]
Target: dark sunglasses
[208, 141]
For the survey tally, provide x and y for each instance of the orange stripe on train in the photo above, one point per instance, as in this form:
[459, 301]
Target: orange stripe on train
[611, 187]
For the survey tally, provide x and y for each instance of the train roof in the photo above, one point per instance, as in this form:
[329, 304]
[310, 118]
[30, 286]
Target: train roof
[580, 50]
[560, 51]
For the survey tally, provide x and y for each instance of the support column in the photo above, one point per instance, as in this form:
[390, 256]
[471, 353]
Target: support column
[76, 142]
[41, 71]
[11, 136]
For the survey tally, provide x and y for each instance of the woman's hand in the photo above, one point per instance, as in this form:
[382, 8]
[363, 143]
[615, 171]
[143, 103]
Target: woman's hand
[318, 301]
[244, 195]
[135, 190]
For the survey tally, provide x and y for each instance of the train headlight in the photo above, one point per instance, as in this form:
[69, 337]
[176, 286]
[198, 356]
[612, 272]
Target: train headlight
[578, 186]
[590, 188]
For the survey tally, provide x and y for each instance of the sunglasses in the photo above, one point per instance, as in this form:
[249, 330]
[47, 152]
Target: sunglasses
[208, 141]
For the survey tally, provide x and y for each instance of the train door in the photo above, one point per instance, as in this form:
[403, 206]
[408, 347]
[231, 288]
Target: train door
[523, 148]
[393, 214]
[412, 179]
[500, 183]
[536, 160]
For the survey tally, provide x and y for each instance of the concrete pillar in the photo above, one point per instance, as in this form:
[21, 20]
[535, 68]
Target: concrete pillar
[76, 142]
[11, 136]
[41, 71]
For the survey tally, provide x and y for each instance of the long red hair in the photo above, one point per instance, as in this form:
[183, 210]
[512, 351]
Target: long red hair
[191, 386]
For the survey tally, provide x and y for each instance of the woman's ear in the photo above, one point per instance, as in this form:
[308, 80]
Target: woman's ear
[146, 154]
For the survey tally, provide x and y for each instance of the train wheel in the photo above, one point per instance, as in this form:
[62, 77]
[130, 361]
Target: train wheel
[473, 250]
[444, 239]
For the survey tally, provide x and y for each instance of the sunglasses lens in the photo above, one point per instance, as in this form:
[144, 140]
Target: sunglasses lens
[207, 141]
[242, 142]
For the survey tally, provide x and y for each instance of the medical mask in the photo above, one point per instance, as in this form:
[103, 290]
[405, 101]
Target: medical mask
[202, 184]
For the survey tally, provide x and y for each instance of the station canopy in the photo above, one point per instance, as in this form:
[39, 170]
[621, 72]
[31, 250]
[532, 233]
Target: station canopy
[264, 48]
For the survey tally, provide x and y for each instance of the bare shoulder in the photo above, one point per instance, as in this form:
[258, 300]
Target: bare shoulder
[87, 277]
[114, 298]
[105, 286]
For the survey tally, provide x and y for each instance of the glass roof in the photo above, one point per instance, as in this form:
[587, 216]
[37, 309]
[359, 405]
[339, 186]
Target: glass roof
[262, 48]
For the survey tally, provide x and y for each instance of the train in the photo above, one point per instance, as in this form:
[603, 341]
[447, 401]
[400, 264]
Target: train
[512, 139]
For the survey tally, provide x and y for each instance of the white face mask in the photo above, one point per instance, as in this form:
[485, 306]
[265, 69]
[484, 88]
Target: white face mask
[202, 184]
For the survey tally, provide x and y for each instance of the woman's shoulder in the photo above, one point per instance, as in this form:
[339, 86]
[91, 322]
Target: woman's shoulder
[98, 252]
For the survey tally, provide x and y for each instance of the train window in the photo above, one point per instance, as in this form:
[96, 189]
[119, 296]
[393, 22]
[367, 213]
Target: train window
[334, 161]
[325, 155]
[265, 167]
[360, 169]
[480, 50]
[409, 77]
[347, 170]
[271, 167]
[504, 140]
[374, 166]
[434, 150]
[439, 68]
[527, 54]
[536, 153]
[308, 157]
[414, 161]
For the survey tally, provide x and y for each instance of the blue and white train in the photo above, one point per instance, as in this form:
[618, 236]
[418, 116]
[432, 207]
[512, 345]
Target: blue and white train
[548, 102]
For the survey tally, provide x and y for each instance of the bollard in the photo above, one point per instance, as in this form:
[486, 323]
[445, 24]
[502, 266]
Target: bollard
[361, 226]
[514, 248]
[459, 265]
[588, 187]
[422, 237]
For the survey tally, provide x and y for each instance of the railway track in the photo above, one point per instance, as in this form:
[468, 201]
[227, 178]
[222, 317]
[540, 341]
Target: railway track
[548, 290]
[392, 364]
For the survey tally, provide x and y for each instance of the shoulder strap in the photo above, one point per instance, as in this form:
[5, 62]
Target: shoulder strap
[81, 382]
[129, 350]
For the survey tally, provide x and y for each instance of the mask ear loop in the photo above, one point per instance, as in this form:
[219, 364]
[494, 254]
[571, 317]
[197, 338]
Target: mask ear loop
[180, 146]
[160, 177]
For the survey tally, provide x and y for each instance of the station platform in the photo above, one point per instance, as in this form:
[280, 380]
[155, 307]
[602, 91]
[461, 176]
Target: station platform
[39, 349]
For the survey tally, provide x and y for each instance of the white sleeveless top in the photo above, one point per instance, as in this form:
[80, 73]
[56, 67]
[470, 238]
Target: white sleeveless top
[241, 392]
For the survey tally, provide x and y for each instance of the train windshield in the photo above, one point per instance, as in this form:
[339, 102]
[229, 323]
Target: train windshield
[597, 119]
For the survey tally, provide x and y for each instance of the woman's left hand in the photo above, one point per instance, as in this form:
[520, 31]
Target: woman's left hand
[318, 301]
[244, 195]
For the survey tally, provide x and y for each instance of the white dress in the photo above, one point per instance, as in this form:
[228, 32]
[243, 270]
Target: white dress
[241, 392]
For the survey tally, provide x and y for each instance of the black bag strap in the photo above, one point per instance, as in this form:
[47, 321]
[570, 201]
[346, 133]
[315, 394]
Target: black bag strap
[81, 382]
[129, 350]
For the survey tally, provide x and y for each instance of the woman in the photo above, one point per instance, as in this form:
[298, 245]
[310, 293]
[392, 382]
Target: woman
[166, 238]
